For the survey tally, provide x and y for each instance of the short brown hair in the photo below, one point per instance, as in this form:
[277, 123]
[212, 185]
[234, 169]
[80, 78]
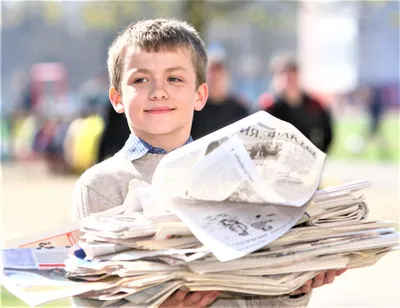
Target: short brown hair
[155, 35]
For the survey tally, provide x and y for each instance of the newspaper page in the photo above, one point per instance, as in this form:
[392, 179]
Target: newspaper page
[258, 159]
[233, 229]
[44, 250]
[62, 236]
[344, 189]
[34, 258]
[36, 287]
[298, 254]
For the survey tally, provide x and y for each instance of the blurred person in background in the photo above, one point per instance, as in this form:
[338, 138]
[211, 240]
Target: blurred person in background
[21, 93]
[222, 107]
[291, 103]
[370, 99]
[375, 109]
[95, 86]
[54, 149]
[81, 141]
[116, 131]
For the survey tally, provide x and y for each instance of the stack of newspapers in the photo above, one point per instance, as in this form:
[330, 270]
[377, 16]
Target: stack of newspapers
[237, 211]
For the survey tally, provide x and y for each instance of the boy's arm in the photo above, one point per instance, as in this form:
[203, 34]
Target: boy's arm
[87, 201]
[265, 301]
[280, 301]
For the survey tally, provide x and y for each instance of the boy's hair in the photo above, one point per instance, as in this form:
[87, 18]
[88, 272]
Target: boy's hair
[154, 35]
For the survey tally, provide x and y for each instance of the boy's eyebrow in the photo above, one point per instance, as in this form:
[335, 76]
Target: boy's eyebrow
[139, 70]
[175, 68]
[168, 70]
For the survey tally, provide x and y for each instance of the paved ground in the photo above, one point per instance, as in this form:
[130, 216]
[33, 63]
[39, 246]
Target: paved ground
[34, 201]
[376, 286]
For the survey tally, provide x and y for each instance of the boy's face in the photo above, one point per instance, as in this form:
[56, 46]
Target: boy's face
[159, 93]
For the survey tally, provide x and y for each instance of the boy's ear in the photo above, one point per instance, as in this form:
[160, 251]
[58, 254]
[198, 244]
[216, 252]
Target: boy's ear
[116, 101]
[202, 95]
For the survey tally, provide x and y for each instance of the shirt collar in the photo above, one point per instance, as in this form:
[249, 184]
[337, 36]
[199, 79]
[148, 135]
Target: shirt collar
[136, 148]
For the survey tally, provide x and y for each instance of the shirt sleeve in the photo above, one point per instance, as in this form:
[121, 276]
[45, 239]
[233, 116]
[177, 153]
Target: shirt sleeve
[264, 301]
[280, 301]
[86, 201]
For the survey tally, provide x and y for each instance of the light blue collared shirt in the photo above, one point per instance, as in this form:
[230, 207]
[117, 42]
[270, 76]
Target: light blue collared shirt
[136, 148]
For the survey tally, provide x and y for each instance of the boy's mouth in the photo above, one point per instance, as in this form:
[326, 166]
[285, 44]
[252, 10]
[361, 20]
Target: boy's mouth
[159, 110]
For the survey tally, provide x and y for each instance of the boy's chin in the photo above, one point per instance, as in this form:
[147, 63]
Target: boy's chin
[162, 131]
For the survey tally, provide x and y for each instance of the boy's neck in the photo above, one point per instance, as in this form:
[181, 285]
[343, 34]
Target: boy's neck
[165, 142]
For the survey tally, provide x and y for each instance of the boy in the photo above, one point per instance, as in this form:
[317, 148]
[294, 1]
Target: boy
[157, 73]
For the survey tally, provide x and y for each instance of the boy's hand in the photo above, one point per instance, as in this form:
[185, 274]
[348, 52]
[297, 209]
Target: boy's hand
[187, 299]
[318, 281]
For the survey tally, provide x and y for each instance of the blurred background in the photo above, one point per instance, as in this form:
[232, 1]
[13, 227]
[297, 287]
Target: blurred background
[56, 120]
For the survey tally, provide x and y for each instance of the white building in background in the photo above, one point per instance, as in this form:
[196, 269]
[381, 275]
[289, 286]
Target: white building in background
[379, 43]
[345, 44]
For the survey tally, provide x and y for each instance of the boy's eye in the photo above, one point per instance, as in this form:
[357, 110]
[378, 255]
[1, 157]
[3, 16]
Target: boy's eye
[174, 79]
[140, 80]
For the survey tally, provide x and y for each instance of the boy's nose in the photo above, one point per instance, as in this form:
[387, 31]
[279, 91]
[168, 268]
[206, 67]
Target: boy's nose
[158, 92]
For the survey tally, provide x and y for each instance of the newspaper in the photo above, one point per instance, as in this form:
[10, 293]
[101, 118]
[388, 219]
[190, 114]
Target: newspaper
[237, 211]
[233, 229]
[37, 287]
[230, 187]
[147, 278]
[45, 250]
[259, 159]
[62, 236]
[325, 209]
[34, 258]
[228, 229]
[300, 252]
[342, 189]
[340, 215]
[247, 168]
[338, 205]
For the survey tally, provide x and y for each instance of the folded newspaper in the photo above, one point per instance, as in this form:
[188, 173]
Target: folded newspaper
[144, 275]
[236, 211]
[259, 159]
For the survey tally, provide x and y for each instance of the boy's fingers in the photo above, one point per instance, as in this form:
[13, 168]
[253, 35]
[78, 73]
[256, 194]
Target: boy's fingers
[330, 276]
[306, 288]
[194, 297]
[179, 296]
[318, 280]
[207, 299]
[298, 291]
[341, 271]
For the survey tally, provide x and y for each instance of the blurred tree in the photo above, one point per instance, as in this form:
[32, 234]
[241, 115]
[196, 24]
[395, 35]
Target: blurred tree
[159, 9]
[196, 12]
[394, 19]
[377, 3]
[52, 12]
[101, 14]
[112, 15]
[12, 14]
[273, 15]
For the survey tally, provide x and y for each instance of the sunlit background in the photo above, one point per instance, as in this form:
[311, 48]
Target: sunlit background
[54, 77]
